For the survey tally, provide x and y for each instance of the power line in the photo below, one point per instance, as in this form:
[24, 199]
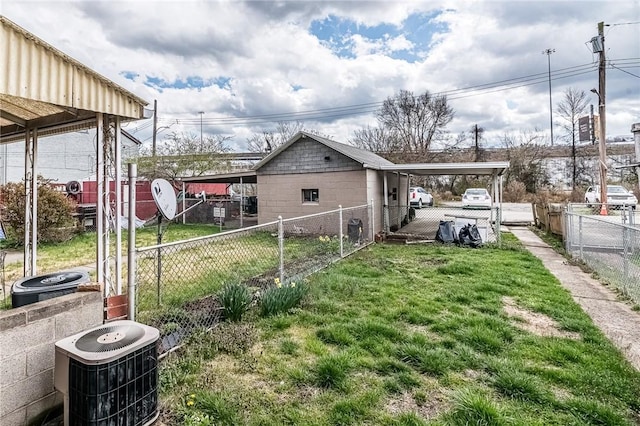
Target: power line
[371, 107]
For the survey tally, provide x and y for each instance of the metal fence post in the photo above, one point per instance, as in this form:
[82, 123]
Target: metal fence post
[625, 259]
[281, 247]
[373, 222]
[580, 236]
[340, 231]
[131, 242]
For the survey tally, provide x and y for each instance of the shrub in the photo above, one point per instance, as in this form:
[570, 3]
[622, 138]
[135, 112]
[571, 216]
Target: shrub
[55, 212]
[235, 299]
[514, 192]
[281, 298]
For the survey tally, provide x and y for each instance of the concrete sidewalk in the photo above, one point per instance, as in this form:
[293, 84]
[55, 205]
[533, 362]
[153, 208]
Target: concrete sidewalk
[616, 319]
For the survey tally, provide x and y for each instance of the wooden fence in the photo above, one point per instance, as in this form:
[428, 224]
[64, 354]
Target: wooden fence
[549, 217]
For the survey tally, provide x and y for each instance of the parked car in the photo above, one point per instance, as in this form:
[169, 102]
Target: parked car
[419, 197]
[617, 196]
[476, 197]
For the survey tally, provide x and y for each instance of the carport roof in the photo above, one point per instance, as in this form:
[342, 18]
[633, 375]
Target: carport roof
[63, 95]
[497, 168]
[237, 177]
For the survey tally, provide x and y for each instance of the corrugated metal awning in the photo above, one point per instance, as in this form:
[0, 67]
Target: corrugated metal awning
[41, 87]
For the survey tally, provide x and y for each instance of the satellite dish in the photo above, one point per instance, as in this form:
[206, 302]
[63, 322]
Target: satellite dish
[165, 197]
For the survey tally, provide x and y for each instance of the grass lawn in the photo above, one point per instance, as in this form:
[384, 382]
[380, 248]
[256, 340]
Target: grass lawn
[81, 249]
[410, 335]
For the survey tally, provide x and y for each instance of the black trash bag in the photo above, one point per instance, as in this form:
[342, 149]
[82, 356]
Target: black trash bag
[470, 236]
[446, 232]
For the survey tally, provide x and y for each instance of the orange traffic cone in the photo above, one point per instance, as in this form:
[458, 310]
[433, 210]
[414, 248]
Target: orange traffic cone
[603, 210]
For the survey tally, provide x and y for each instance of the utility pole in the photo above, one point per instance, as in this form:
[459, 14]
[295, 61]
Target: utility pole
[598, 47]
[155, 127]
[548, 52]
[201, 144]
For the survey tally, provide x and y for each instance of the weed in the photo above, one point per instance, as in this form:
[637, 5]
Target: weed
[521, 386]
[234, 338]
[289, 347]
[473, 407]
[235, 299]
[331, 371]
[217, 407]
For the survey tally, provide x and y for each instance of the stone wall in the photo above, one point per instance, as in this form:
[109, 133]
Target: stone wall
[27, 351]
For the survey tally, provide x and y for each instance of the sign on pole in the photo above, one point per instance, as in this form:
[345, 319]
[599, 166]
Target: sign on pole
[584, 129]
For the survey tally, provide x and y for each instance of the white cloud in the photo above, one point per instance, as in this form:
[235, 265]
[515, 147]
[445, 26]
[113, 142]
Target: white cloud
[275, 65]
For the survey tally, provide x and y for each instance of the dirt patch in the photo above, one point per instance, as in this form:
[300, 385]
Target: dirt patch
[428, 407]
[534, 322]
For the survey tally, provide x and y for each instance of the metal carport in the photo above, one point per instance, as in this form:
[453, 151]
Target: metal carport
[494, 169]
[241, 178]
[44, 92]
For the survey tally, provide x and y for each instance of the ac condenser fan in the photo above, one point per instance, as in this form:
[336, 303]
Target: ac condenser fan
[109, 338]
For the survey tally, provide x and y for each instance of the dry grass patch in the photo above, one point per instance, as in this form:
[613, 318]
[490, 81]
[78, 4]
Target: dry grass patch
[427, 405]
[534, 322]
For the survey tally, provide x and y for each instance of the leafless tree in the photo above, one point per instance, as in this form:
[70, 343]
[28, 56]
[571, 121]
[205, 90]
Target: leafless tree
[269, 140]
[408, 125]
[525, 153]
[570, 109]
[415, 121]
[183, 155]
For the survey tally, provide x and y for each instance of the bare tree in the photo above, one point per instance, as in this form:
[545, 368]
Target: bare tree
[571, 108]
[183, 155]
[408, 125]
[525, 154]
[375, 139]
[415, 121]
[269, 140]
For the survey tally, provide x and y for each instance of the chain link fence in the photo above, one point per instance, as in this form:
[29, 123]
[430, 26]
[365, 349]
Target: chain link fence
[411, 223]
[177, 283]
[608, 246]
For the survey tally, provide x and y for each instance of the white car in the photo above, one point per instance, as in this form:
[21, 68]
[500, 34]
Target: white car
[617, 196]
[476, 197]
[419, 197]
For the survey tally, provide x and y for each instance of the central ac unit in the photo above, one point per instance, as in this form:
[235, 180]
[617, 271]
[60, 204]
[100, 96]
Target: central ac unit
[108, 375]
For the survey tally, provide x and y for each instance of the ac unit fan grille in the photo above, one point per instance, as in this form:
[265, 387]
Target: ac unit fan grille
[109, 338]
[121, 392]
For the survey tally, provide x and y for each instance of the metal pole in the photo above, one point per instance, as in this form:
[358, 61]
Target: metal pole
[373, 222]
[201, 144]
[117, 148]
[340, 231]
[155, 127]
[184, 203]
[281, 247]
[100, 255]
[580, 236]
[548, 52]
[159, 254]
[241, 203]
[385, 187]
[131, 242]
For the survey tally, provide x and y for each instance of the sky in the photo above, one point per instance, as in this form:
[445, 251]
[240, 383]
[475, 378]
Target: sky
[237, 68]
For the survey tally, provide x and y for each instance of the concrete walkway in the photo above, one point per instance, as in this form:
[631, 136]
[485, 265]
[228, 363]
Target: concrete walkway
[616, 319]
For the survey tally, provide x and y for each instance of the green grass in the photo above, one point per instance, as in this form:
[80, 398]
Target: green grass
[81, 249]
[412, 335]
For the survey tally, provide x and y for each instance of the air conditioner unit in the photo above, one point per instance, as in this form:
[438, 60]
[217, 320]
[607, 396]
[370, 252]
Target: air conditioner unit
[108, 375]
[47, 286]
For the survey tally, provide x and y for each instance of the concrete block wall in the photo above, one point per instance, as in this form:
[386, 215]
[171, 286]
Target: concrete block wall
[282, 194]
[27, 352]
